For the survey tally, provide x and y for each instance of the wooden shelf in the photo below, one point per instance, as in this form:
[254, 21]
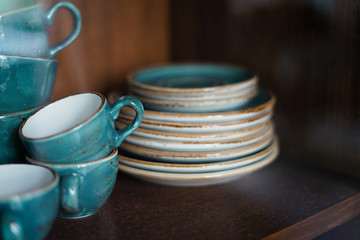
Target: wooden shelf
[285, 200]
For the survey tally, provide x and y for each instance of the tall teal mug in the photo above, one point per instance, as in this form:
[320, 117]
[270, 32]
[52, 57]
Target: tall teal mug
[24, 31]
[78, 128]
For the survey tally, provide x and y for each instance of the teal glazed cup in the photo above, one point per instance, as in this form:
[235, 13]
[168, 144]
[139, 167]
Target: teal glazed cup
[78, 128]
[29, 201]
[11, 149]
[86, 186]
[25, 83]
[23, 32]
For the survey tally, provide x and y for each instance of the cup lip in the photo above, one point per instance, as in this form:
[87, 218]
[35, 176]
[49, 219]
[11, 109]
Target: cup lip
[35, 192]
[50, 164]
[21, 9]
[67, 131]
[43, 59]
[20, 112]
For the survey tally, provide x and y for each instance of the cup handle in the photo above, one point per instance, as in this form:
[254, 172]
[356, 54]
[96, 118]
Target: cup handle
[77, 26]
[69, 193]
[134, 103]
[11, 227]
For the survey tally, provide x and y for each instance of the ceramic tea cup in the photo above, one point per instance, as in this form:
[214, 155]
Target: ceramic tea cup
[86, 186]
[25, 83]
[29, 201]
[8, 5]
[24, 31]
[78, 128]
[11, 149]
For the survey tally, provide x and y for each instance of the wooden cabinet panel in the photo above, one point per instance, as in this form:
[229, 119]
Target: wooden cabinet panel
[116, 36]
[307, 52]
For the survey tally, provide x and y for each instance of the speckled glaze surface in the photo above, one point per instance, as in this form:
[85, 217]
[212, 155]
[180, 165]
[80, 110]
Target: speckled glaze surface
[92, 138]
[11, 149]
[147, 164]
[23, 32]
[195, 157]
[197, 137]
[25, 83]
[28, 215]
[198, 97]
[206, 106]
[204, 128]
[192, 78]
[85, 187]
[199, 146]
[261, 103]
[197, 179]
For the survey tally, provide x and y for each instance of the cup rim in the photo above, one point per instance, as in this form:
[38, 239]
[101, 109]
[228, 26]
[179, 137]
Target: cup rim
[20, 112]
[42, 163]
[103, 101]
[28, 58]
[21, 9]
[34, 192]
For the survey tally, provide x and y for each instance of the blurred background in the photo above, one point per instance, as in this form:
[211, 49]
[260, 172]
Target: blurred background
[305, 51]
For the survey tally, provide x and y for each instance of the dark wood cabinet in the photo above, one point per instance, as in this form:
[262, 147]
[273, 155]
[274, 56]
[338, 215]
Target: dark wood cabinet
[306, 52]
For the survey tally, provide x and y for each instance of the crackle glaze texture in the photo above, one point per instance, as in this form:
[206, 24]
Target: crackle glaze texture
[25, 83]
[11, 149]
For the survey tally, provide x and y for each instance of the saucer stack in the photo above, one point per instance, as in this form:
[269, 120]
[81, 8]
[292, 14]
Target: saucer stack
[203, 124]
[27, 66]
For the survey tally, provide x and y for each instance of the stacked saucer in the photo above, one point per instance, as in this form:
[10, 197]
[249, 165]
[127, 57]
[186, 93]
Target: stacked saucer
[193, 88]
[203, 124]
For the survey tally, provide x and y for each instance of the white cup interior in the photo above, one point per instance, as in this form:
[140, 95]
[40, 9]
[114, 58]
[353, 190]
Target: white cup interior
[61, 115]
[16, 179]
